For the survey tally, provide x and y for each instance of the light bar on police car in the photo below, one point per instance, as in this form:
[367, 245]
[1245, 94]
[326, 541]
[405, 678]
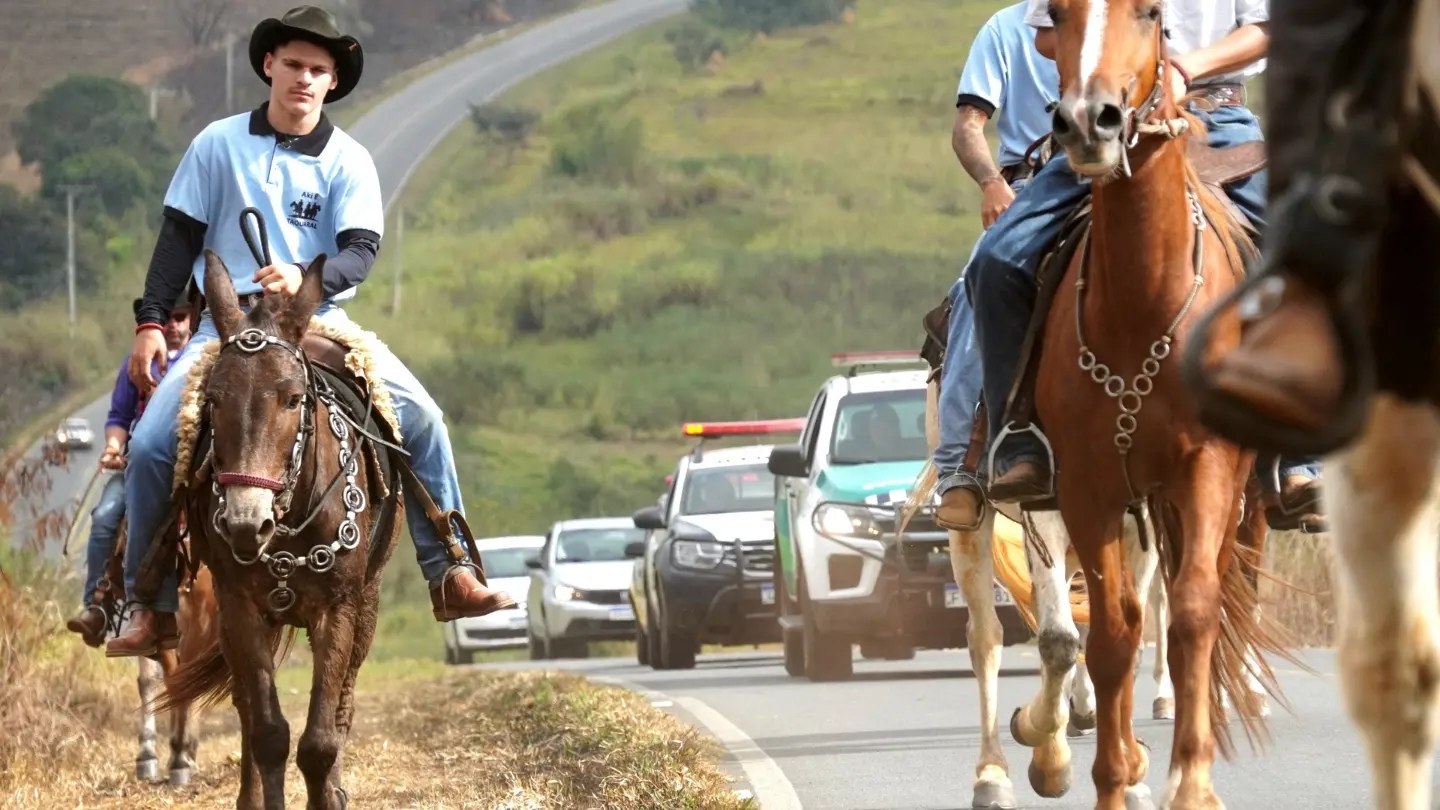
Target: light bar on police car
[899, 357]
[711, 430]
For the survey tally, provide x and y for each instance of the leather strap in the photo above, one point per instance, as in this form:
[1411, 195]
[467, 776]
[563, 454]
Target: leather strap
[444, 523]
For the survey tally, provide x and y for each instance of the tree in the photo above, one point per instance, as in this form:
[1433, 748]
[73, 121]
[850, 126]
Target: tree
[117, 179]
[203, 19]
[84, 113]
[504, 123]
[32, 254]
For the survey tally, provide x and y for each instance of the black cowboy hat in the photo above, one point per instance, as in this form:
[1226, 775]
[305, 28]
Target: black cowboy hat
[315, 25]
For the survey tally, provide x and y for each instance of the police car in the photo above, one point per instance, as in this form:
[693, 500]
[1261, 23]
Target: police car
[844, 576]
[707, 570]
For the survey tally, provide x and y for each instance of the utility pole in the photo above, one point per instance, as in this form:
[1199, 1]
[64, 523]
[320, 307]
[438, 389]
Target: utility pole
[229, 73]
[399, 259]
[70, 192]
[155, 93]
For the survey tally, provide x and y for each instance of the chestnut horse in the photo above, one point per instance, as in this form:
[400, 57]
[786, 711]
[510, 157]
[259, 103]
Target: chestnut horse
[1356, 194]
[1160, 247]
[283, 437]
[197, 621]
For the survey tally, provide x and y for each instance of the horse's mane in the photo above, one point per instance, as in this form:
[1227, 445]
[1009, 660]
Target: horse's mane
[1233, 232]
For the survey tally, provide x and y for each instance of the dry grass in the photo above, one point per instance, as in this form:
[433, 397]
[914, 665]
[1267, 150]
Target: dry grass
[423, 737]
[1299, 595]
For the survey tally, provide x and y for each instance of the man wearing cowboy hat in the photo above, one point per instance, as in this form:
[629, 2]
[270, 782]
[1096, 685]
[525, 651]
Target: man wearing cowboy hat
[126, 406]
[317, 191]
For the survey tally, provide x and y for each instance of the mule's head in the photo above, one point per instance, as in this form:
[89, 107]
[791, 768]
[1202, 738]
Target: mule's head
[1109, 55]
[258, 398]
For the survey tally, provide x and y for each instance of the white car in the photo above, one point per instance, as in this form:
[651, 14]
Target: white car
[580, 586]
[75, 432]
[505, 569]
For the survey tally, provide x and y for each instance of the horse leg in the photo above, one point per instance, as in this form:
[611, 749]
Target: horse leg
[245, 640]
[974, 571]
[197, 633]
[1082, 694]
[1041, 724]
[179, 724]
[1164, 706]
[147, 761]
[1199, 522]
[318, 754]
[1382, 503]
[1120, 761]
[1145, 563]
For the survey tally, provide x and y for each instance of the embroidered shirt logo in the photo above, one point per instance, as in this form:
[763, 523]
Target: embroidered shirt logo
[304, 210]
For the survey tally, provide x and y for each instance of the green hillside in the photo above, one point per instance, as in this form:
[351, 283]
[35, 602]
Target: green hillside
[670, 244]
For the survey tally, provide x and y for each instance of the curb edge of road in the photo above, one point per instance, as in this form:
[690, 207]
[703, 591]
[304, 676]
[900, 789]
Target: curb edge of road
[770, 787]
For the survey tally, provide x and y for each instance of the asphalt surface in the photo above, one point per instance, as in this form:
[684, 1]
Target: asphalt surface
[903, 734]
[399, 132]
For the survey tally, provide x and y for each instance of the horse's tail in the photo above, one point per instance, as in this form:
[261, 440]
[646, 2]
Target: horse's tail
[207, 680]
[1246, 636]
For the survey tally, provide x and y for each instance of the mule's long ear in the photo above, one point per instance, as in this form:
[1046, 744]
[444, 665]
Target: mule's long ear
[220, 296]
[295, 318]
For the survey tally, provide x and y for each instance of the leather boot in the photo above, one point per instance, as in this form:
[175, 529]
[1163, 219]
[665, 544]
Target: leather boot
[1026, 481]
[89, 623]
[960, 509]
[148, 632]
[461, 596]
[1296, 507]
[1288, 365]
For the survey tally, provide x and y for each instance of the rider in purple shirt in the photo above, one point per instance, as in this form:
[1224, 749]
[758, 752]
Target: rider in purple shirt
[126, 405]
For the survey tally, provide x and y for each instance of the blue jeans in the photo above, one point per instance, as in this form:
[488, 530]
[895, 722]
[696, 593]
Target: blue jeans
[152, 459]
[1001, 281]
[104, 525]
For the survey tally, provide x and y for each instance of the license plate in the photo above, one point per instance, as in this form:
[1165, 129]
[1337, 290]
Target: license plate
[767, 594]
[624, 613]
[955, 599]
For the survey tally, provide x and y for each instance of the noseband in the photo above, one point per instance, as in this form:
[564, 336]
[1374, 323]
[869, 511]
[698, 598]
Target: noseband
[321, 557]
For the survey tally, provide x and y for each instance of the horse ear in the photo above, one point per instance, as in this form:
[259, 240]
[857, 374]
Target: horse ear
[220, 296]
[295, 320]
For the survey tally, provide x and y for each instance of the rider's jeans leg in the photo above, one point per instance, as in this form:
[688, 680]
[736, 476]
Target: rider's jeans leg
[1229, 126]
[150, 467]
[104, 525]
[1001, 282]
[426, 439]
[960, 384]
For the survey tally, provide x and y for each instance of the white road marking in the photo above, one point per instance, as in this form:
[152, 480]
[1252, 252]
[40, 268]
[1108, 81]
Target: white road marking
[772, 789]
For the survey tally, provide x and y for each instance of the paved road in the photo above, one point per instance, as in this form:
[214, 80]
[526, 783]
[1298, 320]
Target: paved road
[402, 129]
[902, 734]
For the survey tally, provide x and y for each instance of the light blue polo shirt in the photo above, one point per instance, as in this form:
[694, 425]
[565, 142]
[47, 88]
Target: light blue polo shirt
[309, 189]
[1006, 72]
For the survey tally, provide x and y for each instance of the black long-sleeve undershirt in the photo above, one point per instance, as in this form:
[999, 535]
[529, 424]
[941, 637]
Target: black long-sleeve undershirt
[182, 237]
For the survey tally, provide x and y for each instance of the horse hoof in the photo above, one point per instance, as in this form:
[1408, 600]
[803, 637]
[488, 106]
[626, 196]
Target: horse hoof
[994, 796]
[1051, 785]
[1080, 723]
[179, 777]
[1015, 729]
[1163, 709]
[1137, 797]
[147, 770]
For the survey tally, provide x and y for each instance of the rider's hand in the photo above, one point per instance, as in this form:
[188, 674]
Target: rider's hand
[996, 197]
[149, 345]
[279, 278]
[110, 458]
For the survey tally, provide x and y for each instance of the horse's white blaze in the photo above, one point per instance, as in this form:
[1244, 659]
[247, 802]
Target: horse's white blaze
[1382, 500]
[1093, 46]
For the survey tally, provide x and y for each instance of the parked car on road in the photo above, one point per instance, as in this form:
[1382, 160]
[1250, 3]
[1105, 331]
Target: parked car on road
[707, 574]
[579, 587]
[75, 432]
[504, 560]
[844, 576]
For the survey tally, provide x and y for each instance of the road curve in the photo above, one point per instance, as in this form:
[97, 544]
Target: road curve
[903, 734]
[402, 129]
